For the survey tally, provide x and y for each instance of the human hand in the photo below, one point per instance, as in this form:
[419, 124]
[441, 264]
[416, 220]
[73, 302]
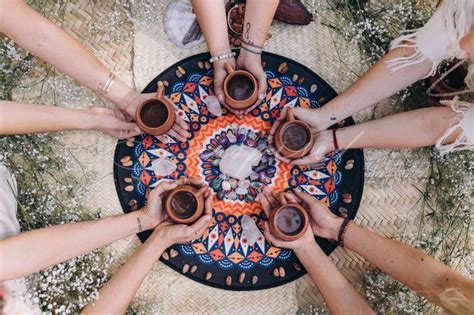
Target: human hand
[269, 203]
[113, 122]
[170, 233]
[153, 211]
[180, 128]
[323, 141]
[253, 64]
[324, 223]
[219, 76]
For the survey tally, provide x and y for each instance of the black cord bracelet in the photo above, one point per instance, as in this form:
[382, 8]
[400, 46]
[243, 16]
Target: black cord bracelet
[342, 232]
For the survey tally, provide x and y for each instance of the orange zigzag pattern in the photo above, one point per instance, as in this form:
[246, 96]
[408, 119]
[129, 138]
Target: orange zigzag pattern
[196, 146]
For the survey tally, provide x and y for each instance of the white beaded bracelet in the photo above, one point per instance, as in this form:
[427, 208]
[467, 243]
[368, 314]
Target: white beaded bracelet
[221, 57]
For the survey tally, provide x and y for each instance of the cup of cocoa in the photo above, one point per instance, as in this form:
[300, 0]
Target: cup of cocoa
[156, 116]
[290, 221]
[185, 203]
[293, 139]
[240, 88]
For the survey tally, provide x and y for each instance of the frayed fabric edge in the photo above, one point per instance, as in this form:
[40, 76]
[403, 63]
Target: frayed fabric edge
[398, 63]
[462, 142]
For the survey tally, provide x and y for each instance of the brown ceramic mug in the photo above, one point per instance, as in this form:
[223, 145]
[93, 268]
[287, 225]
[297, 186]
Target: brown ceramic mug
[293, 139]
[185, 203]
[240, 88]
[290, 221]
[157, 115]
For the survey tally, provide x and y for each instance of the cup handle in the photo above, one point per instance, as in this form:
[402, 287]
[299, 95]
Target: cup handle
[201, 191]
[289, 114]
[228, 68]
[282, 199]
[161, 90]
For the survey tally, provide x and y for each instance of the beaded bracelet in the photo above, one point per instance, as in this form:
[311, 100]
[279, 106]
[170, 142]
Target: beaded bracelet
[221, 57]
[342, 232]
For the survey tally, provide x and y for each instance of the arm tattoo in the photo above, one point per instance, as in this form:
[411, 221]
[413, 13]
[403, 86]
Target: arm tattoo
[140, 228]
[247, 34]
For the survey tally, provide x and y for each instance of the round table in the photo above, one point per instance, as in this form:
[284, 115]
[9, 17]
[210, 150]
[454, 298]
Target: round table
[222, 257]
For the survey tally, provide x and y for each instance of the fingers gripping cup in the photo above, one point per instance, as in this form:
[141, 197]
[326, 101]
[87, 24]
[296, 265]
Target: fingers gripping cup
[290, 221]
[185, 203]
[294, 139]
[156, 116]
[240, 88]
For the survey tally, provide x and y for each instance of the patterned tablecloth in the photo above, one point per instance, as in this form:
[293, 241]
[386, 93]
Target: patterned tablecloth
[222, 257]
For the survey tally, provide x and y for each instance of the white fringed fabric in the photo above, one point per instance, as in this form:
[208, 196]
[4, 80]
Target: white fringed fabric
[439, 39]
[464, 120]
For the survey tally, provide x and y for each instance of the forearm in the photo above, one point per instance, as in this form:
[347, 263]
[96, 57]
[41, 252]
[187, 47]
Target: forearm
[213, 22]
[417, 128]
[23, 118]
[378, 83]
[331, 283]
[48, 42]
[258, 18]
[42, 248]
[412, 267]
[115, 295]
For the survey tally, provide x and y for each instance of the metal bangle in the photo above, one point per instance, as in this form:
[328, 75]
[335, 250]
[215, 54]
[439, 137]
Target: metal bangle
[221, 57]
[105, 88]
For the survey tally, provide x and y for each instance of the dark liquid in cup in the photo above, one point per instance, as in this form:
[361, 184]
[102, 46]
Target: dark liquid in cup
[289, 221]
[240, 87]
[154, 114]
[184, 204]
[295, 137]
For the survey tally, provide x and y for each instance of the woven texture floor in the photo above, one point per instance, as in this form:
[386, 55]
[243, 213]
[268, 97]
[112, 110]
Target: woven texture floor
[132, 42]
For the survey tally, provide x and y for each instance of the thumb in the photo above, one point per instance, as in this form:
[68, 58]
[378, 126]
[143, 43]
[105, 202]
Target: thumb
[262, 85]
[305, 197]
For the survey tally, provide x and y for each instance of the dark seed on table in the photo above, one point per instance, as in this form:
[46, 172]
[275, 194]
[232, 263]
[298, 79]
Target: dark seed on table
[296, 266]
[166, 83]
[128, 180]
[276, 272]
[185, 268]
[282, 272]
[343, 212]
[132, 202]
[283, 68]
[313, 88]
[178, 74]
[321, 99]
[125, 159]
[228, 280]
[129, 143]
[242, 277]
[128, 163]
[181, 69]
[349, 165]
[301, 80]
[201, 65]
[165, 256]
[173, 253]
[194, 268]
[264, 64]
[128, 188]
[208, 276]
[347, 197]
[295, 77]
[254, 279]
[207, 65]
